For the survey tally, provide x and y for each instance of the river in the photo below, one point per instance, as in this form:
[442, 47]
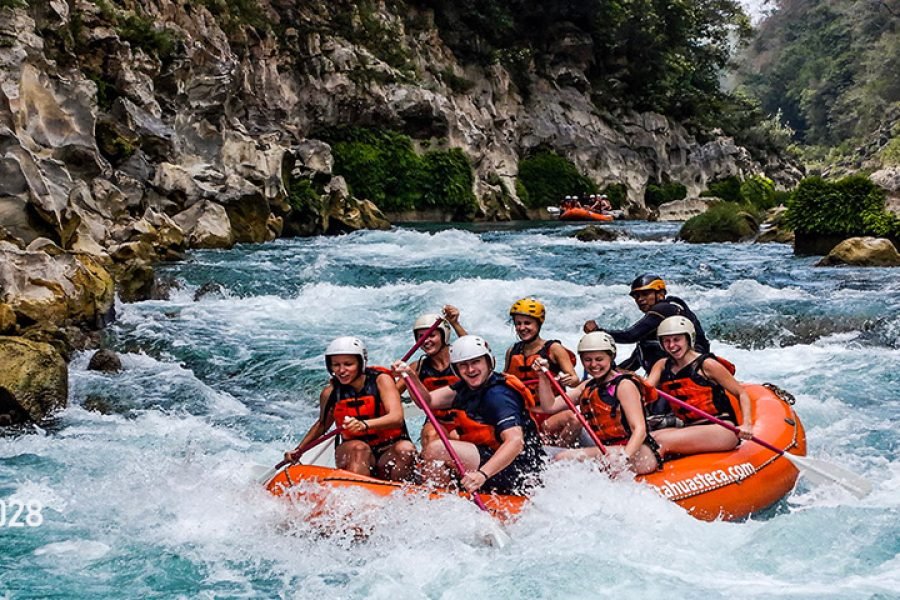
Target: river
[153, 495]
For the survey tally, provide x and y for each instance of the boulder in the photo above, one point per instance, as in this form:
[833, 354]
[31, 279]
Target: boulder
[105, 361]
[774, 229]
[206, 225]
[682, 210]
[57, 289]
[724, 222]
[343, 213]
[888, 179]
[863, 252]
[33, 380]
[7, 319]
[597, 233]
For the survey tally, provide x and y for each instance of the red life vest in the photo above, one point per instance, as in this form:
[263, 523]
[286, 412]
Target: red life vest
[472, 430]
[603, 411]
[365, 404]
[691, 386]
[520, 365]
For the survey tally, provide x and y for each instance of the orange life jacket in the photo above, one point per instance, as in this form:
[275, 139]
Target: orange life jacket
[520, 365]
[365, 404]
[691, 386]
[602, 410]
[475, 431]
[432, 379]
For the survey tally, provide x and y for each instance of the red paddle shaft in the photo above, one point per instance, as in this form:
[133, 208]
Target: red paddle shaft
[559, 390]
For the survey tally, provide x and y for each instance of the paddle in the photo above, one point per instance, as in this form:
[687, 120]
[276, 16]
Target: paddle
[268, 475]
[817, 470]
[498, 537]
[562, 392]
[554, 210]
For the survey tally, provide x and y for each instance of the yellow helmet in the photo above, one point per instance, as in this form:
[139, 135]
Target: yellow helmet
[528, 307]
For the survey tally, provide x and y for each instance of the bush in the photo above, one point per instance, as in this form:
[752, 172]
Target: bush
[849, 207]
[728, 189]
[758, 191]
[548, 177]
[383, 166]
[657, 194]
[723, 222]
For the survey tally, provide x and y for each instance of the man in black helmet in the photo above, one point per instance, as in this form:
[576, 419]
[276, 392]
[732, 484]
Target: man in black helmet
[649, 293]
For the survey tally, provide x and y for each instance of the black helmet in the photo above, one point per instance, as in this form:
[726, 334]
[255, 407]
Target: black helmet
[647, 282]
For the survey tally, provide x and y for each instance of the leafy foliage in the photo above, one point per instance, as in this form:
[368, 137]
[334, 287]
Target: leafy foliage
[646, 54]
[758, 191]
[660, 193]
[548, 177]
[383, 166]
[617, 194]
[728, 189]
[829, 66]
[850, 207]
[722, 222]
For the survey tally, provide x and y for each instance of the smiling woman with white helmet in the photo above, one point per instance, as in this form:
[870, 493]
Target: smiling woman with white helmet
[434, 369]
[498, 442]
[611, 402]
[365, 404]
[704, 381]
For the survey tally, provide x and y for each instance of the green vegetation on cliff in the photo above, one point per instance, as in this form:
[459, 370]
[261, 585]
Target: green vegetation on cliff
[548, 177]
[644, 54]
[383, 166]
[852, 206]
[829, 67]
[722, 222]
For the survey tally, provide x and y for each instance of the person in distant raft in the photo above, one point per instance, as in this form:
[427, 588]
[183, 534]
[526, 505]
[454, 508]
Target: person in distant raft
[702, 380]
[528, 317]
[611, 402]
[364, 403]
[433, 369]
[498, 442]
[649, 293]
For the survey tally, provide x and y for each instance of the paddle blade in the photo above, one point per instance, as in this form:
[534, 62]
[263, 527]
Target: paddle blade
[819, 471]
[496, 537]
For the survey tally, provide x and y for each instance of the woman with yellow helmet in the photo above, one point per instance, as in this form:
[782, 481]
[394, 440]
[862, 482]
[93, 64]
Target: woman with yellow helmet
[528, 317]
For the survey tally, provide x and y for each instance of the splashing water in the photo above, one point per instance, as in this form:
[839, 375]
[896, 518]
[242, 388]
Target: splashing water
[151, 492]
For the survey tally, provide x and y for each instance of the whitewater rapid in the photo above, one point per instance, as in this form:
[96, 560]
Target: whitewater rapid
[146, 479]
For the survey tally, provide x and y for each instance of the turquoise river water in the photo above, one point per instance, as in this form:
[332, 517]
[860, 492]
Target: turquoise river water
[154, 495]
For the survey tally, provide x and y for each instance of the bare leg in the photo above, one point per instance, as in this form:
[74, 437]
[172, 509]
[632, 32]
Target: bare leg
[437, 466]
[430, 435]
[695, 439]
[561, 429]
[354, 456]
[396, 464]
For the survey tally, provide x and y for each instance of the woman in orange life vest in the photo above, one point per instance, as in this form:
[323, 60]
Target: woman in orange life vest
[611, 402]
[434, 369]
[498, 442]
[528, 316]
[363, 401]
[703, 381]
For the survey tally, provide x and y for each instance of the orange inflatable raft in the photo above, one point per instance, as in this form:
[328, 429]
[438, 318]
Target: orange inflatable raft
[723, 485]
[733, 485]
[584, 214]
[328, 479]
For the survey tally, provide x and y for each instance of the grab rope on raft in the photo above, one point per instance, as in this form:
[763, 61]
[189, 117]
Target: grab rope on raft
[785, 395]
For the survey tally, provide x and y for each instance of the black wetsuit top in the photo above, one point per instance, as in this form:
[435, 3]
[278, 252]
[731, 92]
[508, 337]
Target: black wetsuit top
[643, 333]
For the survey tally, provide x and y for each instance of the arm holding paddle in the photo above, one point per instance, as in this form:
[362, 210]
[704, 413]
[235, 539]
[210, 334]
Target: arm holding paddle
[513, 442]
[715, 371]
[451, 314]
[317, 430]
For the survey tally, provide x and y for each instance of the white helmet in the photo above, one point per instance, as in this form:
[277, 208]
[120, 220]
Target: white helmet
[674, 326]
[471, 346]
[604, 196]
[346, 345]
[593, 196]
[597, 341]
[427, 320]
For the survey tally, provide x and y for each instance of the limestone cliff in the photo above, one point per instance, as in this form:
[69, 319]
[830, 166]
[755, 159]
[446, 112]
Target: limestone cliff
[109, 110]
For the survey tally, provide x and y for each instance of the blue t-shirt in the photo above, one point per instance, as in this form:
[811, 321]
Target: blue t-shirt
[494, 404]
